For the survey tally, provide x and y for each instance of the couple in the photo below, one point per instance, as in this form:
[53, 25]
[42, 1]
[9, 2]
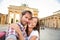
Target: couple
[26, 29]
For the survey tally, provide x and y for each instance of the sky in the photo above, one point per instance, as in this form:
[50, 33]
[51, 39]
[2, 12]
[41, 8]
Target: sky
[45, 7]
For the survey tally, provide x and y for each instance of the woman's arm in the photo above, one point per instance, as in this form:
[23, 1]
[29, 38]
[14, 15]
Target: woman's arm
[21, 37]
[33, 38]
[34, 35]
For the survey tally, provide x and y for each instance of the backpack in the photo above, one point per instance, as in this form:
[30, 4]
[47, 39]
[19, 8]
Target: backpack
[2, 35]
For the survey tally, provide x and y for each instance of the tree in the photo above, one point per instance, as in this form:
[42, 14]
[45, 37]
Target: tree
[24, 5]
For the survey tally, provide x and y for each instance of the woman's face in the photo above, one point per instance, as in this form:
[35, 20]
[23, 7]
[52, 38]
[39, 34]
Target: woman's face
[32, 23]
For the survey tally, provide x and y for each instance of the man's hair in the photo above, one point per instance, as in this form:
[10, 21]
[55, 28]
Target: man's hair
[24, 12]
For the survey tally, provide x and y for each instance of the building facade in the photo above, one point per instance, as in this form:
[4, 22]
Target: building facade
[14, 13]
[3, 18]
[52, 21]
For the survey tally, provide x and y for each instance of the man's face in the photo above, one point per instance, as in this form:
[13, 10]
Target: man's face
[25, 18]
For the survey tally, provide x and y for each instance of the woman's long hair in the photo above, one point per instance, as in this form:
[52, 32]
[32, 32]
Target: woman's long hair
[35, 28]
[37, 25]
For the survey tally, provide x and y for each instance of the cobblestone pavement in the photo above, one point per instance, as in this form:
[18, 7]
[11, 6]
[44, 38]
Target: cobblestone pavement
[45, 34]
[50, 34]
[3, 27]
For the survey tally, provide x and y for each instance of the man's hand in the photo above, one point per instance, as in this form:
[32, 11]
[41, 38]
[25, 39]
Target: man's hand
[15, 27]
[18, 31]
[10, 39]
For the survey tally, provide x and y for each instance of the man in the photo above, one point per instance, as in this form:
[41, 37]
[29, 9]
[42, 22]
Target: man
[18, 29]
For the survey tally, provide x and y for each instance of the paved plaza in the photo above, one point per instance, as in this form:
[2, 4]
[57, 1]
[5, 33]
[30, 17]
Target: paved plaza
[50, 34]
[45, 34]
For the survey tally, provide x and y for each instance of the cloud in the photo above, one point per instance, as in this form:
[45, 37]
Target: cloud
[45, 7]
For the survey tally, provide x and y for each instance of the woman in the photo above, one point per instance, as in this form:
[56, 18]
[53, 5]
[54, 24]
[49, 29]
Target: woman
[33, 29]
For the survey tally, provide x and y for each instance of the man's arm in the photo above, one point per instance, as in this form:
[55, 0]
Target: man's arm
[11, 34]
[11, 37]
[18, 31]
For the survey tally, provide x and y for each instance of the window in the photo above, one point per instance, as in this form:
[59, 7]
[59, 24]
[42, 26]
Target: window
[16, 20]
[51, 17]
[59, 17]
[0, 19]
[12, 20]
[55, 17]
